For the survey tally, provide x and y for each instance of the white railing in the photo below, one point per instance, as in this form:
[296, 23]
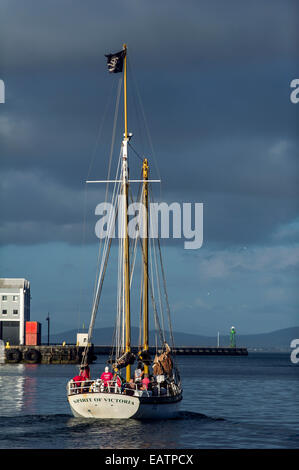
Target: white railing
[98, 386]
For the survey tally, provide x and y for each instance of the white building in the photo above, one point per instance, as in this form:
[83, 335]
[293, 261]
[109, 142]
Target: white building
[14, 309]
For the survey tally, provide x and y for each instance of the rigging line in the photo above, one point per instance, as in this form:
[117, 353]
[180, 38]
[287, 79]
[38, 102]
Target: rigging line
[141, 312]
[158, 287]
[113, 134]
[137, 110]
[154, 256]
[119, 296]
[168, 312]
[166, 297]
[134, 250]
[101, 248]
[112, 342]
[118, 309]
[110, 160]
[123, 285]
[163, 276]
[165, 293]
[84, 356]
[100, 282]
[99, 133]
[135, 151]
[100, 130]
[116, 335]
[157, 272]
[111, 221]
[145, 120]
[156, 316]
[161, 331]
[97, 299]
[138, 199]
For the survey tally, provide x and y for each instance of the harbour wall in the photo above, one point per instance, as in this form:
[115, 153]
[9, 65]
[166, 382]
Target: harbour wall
[52, 354]
[71, 354]
[186, 351]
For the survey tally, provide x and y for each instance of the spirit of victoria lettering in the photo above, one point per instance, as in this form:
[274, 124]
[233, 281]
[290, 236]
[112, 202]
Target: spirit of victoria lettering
[110, 400]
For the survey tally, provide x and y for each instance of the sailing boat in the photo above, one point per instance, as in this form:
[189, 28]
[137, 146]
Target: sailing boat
[158, 394]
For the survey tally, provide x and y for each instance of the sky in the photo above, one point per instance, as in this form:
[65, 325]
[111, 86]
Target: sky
[213, 80]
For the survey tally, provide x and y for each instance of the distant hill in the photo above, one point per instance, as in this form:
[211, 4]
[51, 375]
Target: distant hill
[275, 340]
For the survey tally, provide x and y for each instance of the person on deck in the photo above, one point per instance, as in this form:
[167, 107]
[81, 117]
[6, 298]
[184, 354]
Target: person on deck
[117, 379]
[130, 387]
[78, 381]
[145, 382]
[138, 373]
[85, 372]
[106, 377]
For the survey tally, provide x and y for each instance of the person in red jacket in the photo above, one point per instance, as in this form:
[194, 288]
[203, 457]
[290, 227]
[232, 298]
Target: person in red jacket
[106, 376]
[85, 372]
[117, 378]
[145, 381]
[78, 382]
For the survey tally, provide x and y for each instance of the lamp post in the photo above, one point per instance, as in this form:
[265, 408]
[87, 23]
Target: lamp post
[48, 320]
[232, 337]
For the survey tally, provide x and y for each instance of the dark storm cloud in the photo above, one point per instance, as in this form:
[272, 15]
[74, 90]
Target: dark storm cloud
[215, 87]
[73, 31]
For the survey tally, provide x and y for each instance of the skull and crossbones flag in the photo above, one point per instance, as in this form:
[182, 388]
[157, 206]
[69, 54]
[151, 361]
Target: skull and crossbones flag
[115, 61]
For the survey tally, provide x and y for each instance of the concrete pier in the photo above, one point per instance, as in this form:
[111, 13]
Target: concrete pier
[52, 354]
[71, 354]
[186, 351]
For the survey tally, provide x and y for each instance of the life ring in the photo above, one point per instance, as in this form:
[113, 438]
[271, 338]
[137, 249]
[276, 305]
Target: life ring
[32, 356]
[13, 355]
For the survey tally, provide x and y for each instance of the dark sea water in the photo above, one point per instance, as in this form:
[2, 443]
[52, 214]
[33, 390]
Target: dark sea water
[229, 402]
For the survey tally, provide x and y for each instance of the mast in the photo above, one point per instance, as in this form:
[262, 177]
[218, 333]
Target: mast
[145, 258]
[126, 258]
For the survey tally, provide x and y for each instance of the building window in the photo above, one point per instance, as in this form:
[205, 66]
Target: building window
[4, 312]
[15, 297]
[4, 297]
[15, 312]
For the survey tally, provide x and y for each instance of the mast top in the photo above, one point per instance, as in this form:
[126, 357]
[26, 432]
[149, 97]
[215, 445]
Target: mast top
[125, 92]
[145, 168]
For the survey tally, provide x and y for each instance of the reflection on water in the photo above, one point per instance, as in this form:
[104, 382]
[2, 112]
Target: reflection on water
[2, 352]
[12, 391]
[30, 391]
[123, 434]
[17, 389]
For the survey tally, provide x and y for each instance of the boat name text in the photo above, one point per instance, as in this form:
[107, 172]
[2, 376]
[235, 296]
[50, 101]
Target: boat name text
[109, 400]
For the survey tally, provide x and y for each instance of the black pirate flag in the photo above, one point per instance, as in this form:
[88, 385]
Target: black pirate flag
[115, 61]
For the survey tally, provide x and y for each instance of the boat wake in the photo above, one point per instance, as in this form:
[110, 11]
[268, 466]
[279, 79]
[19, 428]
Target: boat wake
[185, 415]
[31, 419]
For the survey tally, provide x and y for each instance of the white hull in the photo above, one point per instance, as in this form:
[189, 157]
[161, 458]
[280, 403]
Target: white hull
[116, 406]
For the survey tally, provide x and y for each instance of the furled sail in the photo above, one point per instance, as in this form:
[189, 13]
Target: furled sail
[126, 359]
[145, 357]
[163, 363]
